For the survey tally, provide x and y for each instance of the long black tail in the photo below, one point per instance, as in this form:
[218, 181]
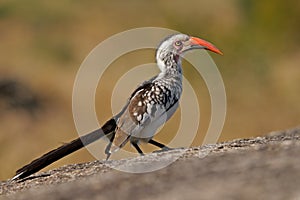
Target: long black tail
[65, 150]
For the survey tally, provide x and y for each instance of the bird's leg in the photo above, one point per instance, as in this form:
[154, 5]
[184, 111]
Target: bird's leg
[160, 145]
[107, 149]
[136, 146]
[108, 154]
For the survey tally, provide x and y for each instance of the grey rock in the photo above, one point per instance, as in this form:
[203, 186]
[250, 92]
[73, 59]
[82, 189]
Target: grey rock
[256, 168]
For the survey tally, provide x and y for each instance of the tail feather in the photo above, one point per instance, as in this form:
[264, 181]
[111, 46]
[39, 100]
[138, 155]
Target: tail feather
[64, 150]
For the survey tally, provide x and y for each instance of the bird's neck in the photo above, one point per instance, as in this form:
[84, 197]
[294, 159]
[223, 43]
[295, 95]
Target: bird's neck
[169, 64]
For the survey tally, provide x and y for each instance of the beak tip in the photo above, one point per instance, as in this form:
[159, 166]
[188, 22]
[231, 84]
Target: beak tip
[207, 45]
[220, 53]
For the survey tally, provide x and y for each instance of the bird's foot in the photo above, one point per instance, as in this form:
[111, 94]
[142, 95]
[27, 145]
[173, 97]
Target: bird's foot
[107, 156]
[165, 148]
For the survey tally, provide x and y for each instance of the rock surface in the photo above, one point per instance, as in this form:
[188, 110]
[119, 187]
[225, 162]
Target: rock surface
[256, 168]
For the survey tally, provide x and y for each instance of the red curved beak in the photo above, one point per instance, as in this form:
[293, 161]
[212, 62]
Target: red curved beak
[205, 44]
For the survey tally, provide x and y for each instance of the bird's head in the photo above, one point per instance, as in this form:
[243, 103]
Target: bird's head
[180, 43]
[169, 51]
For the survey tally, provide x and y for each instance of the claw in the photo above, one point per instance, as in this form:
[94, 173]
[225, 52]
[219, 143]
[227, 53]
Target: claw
[165, 148]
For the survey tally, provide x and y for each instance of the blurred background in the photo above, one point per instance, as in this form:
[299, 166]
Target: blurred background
[43, 44]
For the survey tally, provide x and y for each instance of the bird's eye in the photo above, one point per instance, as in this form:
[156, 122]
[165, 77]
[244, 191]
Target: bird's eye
[178, 43]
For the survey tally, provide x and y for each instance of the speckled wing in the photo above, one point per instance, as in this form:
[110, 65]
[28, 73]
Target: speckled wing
[145, 113]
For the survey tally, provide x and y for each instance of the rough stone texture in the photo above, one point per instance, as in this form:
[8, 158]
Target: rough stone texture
[257, 168]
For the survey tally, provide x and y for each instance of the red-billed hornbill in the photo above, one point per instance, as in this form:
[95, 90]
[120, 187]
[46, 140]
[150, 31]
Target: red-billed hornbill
[149, 106]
